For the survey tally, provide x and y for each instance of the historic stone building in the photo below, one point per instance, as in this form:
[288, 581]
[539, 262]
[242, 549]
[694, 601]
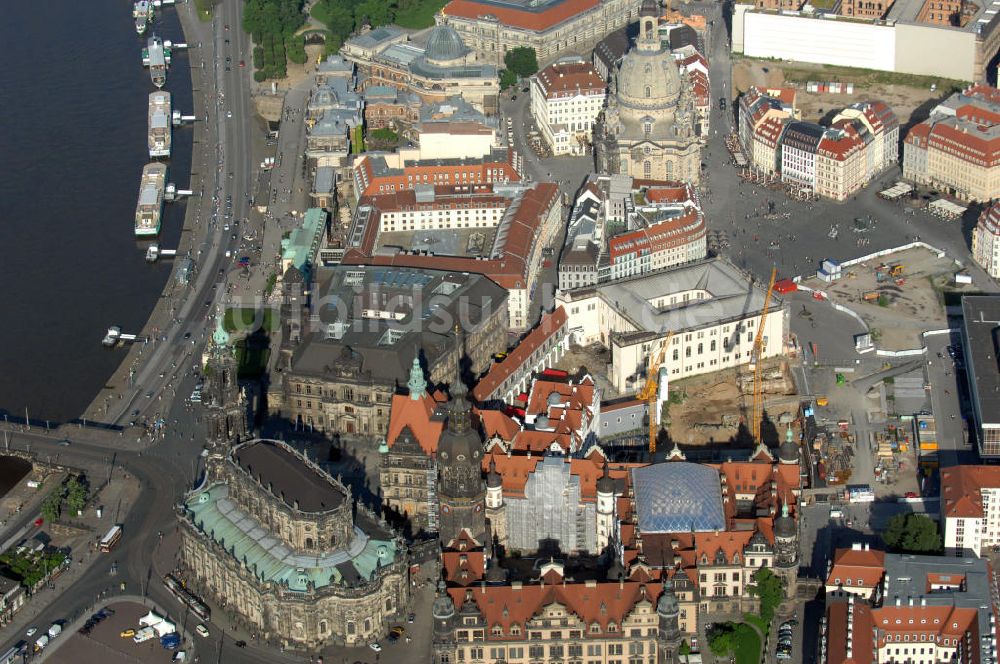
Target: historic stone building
[226, 412]
[408, 471]
[444, 67]
[649, 126]
[553, 28]
[461, 492]
[556, 618]
[431, 460]
[276, 540]
[345, 354]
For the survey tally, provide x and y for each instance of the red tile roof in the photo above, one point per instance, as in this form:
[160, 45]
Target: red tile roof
[568, 79]
[415, 415]
[519, 18]
[961, 489]
[865, 568]
[602, 603]
[498, 373]
[860, 641]
[510, 270]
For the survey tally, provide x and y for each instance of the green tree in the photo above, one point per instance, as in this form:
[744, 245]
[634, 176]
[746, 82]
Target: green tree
[768, 586]
[720, 639]
[296, 48]
[912, 533]
[76, 495]
[684, 650]
[373, 12]
[508, 79]
[52, 505]
[337, 15]
[522, 61]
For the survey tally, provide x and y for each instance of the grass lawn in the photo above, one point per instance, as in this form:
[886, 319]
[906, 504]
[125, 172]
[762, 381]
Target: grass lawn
[420, 15]
[205, 9]
[754, 619]
[247, 320]
[747, 647]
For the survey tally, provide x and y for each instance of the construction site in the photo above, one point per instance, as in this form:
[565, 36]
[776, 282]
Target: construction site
[711, 409]
[898, 295]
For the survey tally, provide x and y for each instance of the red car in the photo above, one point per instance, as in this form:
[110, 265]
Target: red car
[911, 494]
[39, 521]
[242, 64]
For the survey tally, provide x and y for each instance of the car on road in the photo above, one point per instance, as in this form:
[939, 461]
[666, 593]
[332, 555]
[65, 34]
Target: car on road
[722, 103]
[187, 335]
[229, 114]
[63, 443]
[373, 645]
[242, 64]
[38, 524]
[31, 631]
[241, 644]
[410, 618]
[202, 631]
[127, 633]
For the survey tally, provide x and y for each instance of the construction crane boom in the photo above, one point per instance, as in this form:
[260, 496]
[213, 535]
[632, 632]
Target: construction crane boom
[758, 346]
[648, 392]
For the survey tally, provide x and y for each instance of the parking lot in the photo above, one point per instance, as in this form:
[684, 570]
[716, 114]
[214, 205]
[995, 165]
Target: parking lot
[104, 644]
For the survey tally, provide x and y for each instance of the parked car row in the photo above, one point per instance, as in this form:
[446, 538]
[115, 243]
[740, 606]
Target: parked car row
[784, 647]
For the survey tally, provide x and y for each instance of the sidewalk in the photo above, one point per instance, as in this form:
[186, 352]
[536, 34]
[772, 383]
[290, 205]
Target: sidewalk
[121, 492]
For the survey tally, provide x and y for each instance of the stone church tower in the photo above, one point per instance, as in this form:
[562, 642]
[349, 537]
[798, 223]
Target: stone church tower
[786, 551]
[668, 636]
[443, 612]
[461, 491]
[225, 405]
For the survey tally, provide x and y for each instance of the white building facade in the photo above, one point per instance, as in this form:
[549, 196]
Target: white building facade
[698, 302]
[566, 98]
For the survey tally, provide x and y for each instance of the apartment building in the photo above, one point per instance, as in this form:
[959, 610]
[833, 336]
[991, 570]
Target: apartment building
[970, 510]
[957, 149]
[986, 240]
[566, 99]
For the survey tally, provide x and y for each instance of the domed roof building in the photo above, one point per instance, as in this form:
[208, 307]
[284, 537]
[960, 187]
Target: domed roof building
[445, 48]
[648, 130]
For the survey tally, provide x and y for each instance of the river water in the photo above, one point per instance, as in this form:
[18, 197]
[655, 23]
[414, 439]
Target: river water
[73, 101]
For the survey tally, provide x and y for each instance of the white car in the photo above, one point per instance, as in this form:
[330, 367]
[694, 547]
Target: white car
[202, 631]
[375, 646]
[31, 631]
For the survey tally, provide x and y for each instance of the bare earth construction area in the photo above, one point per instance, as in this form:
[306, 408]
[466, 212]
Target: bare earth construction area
[896, 308]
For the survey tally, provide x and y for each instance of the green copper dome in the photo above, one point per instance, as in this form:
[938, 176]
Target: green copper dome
[220, 336]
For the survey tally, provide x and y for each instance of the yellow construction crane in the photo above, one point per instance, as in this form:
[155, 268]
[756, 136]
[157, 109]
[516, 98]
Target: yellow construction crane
[648, 392]
[758, 346]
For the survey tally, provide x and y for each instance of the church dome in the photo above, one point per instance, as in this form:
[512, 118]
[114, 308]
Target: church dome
[445, 47]
[648, 80]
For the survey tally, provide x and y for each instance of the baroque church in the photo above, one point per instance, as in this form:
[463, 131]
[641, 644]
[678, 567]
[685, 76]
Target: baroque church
[649, 126]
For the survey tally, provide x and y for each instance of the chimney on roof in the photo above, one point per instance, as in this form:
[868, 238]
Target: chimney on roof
[899, 602]
[856, 546]
[910, 600]
[923, 601]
